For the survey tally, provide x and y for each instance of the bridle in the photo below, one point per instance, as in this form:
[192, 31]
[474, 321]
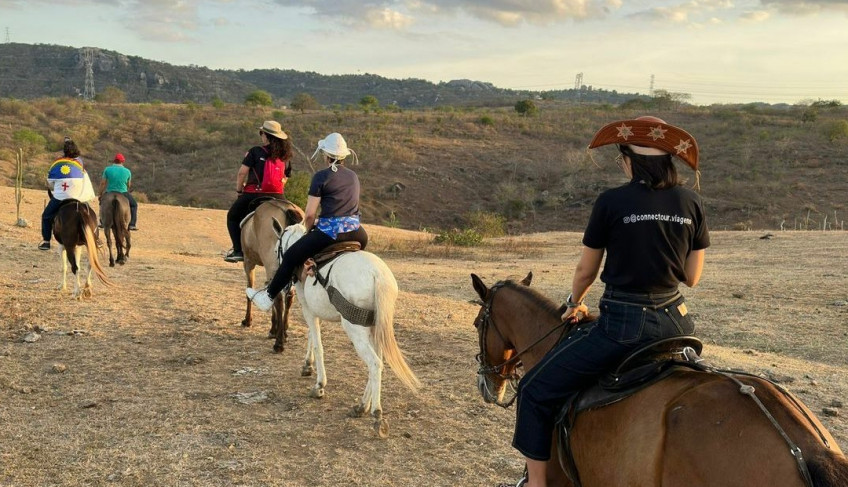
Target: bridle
[482, 323]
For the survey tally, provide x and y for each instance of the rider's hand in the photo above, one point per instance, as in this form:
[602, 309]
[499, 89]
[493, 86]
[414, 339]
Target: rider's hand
[575, 314]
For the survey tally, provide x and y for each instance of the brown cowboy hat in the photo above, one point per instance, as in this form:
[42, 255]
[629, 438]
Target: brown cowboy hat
[650, 136]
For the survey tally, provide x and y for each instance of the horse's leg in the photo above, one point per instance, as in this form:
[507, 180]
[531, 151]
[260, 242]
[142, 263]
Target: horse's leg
[316, 350]
[75, 268]
[250, 275]
[86, 291]
[109, 230]
[280, 320]
[127, 233]
[63, 254]
[278, 331]
[360, 336]
[119, 245]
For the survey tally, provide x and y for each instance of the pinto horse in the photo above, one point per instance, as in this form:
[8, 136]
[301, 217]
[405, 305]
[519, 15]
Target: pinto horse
[74, 227]
[115, 216]
[693, 428]
[259, 245]
[365, 282]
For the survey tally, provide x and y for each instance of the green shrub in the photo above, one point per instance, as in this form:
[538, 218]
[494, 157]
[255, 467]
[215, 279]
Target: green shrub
[30, 141]
[463, 238]
[259, 98]
[217, 103]
[526, 108]
[487, 224]
[486, 120]
[837, 130]
[297, 187]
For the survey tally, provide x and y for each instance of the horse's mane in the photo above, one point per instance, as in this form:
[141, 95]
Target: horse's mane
[545, 304]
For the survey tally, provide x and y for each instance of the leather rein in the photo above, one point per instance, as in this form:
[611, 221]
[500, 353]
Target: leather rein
[482, 323]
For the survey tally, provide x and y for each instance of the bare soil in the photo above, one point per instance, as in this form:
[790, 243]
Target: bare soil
[154, 382]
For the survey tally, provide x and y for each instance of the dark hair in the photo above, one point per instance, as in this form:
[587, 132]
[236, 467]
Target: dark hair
[280, 148]
[658, 171]
[70, 148]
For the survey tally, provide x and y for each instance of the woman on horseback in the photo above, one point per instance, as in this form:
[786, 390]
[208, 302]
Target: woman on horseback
[66, 179]
[654, 233]
[263, 174]
[335, 190]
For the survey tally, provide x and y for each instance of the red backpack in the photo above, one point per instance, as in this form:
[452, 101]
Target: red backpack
[272, 178]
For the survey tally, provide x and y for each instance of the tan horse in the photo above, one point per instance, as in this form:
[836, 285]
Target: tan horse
[115, 217]
[694, 428]
[74, 227]
[259, 245]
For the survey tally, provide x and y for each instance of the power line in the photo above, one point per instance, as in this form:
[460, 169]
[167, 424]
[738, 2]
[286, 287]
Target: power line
[88, 58]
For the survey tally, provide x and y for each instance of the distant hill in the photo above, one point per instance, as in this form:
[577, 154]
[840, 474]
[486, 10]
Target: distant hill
[30, 71]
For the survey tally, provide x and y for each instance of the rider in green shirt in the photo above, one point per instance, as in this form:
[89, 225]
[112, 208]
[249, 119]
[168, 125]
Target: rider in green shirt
[117, 178]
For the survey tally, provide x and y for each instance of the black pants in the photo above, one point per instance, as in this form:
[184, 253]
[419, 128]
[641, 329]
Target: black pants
[310, 244]
[241, 207]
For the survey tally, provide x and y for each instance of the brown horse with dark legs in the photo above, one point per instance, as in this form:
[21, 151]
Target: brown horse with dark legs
[74, 227]
[693, 428]
[259, 245]
[115, 217]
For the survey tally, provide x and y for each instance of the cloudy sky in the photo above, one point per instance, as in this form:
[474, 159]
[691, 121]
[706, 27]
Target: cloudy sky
[718, 51]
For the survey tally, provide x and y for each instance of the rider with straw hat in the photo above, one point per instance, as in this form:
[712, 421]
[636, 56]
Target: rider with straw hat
[335, 190]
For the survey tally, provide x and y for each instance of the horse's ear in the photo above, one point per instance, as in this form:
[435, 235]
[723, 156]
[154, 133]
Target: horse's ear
[294, 216]
[275, 224]
[526, 280]
[481, 288]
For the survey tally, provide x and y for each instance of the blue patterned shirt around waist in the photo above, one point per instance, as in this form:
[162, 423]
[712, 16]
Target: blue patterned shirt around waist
[334, 225]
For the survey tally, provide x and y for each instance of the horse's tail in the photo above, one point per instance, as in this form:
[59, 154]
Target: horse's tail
[385, 294]
[87, 222]
[829, 469]
[119, 225]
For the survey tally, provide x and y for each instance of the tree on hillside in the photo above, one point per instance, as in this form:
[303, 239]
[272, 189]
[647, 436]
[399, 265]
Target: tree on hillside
[526, 108]
[259, 98]
[111, 95]
[369, 102]
[303, 102]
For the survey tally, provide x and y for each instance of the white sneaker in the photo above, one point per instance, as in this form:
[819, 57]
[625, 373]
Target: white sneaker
[260, 298]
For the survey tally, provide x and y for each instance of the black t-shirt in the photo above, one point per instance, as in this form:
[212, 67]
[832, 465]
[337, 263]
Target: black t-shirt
[647, 234]
[255, 160]
[339, 191]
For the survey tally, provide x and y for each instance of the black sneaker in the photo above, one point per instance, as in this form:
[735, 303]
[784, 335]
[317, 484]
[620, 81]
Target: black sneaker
[44, 245]
[234, 256]
[133, 228]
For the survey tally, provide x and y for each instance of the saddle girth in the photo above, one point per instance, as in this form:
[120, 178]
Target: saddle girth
[351, 312]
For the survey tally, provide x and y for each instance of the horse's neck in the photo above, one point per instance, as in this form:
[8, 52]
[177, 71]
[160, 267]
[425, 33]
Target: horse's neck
[532, 332]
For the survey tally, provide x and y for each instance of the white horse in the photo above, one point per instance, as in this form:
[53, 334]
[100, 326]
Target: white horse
[366, 282]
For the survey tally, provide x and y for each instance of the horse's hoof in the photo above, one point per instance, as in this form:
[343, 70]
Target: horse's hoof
[381, 426]
[279, 348]
[317, 392]
[307, 371]
[122, 262]
[357, 411]
[86, 293]
[245, 323]
[111, 264]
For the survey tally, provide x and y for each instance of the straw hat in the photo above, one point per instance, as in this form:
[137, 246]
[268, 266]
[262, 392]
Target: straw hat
[273, 129]
[649, 136]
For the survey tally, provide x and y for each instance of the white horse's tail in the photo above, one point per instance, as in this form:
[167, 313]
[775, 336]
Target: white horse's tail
[385, 294]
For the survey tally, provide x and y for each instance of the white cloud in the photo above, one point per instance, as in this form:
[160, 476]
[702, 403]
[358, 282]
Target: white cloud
[756, 16]
[806, 7]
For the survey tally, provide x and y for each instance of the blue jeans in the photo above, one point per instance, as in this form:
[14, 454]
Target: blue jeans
[47, 218]
[627, 321]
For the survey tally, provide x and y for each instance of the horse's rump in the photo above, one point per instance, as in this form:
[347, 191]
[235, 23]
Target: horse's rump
[703, 431]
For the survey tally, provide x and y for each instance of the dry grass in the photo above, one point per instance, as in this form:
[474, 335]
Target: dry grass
[153, 374]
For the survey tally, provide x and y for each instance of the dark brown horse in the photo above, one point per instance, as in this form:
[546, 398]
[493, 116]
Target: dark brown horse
[74, 227]
[259, 244]
[115, 217]
[693, 428]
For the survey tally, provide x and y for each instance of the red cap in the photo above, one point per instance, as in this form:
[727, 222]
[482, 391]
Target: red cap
[119, 157]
